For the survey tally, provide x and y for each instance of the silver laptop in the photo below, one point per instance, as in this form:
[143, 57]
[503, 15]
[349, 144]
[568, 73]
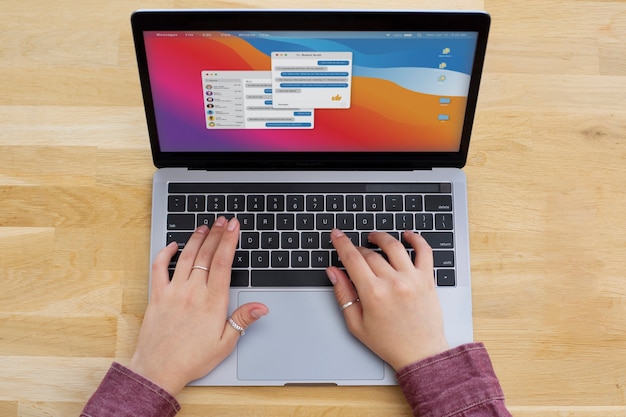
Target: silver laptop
[297, 122]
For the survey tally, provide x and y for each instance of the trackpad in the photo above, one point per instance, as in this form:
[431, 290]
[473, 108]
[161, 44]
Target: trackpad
[303, 339]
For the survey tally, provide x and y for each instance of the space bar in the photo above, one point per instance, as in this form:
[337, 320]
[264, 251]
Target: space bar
[290, 278]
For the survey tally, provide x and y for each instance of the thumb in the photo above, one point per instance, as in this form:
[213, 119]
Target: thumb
[244, 316]
[346, 293]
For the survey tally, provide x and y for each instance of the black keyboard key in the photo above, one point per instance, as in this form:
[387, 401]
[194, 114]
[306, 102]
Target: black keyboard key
[242, 259]
[365, 242]
[325, 221]
[265, 221]
[179, 237]
[239, 278]
[443, 258]
[270, 240]
[345, 221]
[305, 221]
[206, 219]
[354, 237]
[413, 203]
[325, 242]
[250, 240]
[246, 221]
[404, 221]
[365, 221]
[384, 221]
[236, 203]
[374, 203]
[310, 240]
[334, 203]
[290, 278]
[280, 259]
[335, 260]
[295, 203]
[438, 202]
[354, 203]
[320, 259]
[439, 240]
[285, 221]
[176, 203]
[256, 203]
[181, 221]
[260, 259]
[216, 203]
[443, 221]
[275, 203]
[300, 259]
[315, 203]
[446, 278]
[393, 202]
[196, 203]
[290, 240]
[424, 221]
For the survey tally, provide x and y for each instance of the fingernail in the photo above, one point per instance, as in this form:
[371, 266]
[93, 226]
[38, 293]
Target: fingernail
[337, 233]
[258, 313]
[232, 224]
[172, 244]
[331, 276]
[202, 229]
[221, 221]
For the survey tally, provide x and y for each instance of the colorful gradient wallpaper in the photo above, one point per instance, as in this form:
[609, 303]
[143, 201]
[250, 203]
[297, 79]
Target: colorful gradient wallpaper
[408, 91]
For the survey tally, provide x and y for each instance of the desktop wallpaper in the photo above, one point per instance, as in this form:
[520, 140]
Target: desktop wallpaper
[408, 94]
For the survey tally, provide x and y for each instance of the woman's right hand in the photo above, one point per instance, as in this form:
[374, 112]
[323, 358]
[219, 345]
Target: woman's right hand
[398, 315]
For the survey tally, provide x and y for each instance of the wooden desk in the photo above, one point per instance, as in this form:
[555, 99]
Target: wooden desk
[546, 175]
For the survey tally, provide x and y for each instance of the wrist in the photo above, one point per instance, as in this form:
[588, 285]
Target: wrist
[157, 376]
[415, 355]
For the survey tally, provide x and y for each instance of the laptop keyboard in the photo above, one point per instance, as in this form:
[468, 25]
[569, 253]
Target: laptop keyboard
[285, 228]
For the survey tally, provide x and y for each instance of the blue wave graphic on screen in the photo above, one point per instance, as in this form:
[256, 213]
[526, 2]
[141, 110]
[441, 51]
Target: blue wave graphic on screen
[380, 53]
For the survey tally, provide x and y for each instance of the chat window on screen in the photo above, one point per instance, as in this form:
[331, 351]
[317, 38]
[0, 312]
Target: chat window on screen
[244, 100]
[318, 80]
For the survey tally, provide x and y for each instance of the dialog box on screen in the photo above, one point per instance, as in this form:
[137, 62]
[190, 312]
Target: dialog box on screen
[318, 80]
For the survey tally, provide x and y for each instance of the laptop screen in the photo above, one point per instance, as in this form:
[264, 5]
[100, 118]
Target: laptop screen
[309, 91]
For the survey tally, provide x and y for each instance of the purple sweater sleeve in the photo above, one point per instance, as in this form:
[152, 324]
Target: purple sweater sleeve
[123, 393]
[460, 382]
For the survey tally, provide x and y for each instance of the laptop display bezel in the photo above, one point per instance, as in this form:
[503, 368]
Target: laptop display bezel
[312, 20]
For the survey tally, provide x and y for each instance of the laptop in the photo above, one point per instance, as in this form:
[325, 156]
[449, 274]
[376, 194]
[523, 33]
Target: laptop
[297, 122]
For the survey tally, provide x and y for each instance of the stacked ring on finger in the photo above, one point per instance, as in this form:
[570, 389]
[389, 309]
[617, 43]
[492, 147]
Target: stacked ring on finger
[236, 326]
[204, 268]
[348, 304]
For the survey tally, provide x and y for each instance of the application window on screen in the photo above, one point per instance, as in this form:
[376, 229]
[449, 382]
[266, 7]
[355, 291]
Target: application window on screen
[244, 100]
[320, 80]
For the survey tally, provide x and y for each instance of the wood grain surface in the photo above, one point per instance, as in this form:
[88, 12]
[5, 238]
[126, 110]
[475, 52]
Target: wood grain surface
[546, 183]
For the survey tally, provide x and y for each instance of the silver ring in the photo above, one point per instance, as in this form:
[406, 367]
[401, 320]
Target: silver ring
[204, 268]
[235, 326]
[348, 304]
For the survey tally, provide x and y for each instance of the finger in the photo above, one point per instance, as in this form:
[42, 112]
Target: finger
[205, 254]
[346, 293]
[394, 250]
[423, 251]
[188, 256]
[244, 316]
[222, 259]
[351, 258]
[377, 263]
[160, 273]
